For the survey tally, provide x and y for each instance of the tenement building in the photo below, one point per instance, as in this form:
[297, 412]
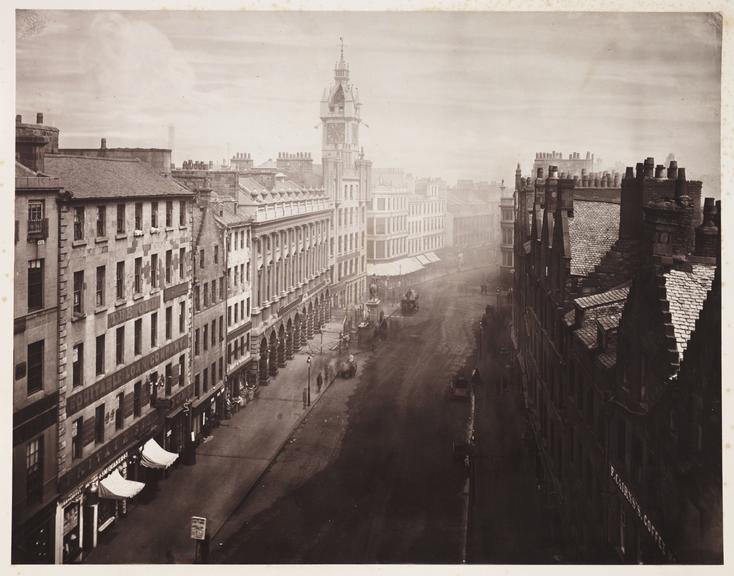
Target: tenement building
[124, 325]
[470, 221]
[507, 235]
[617, 316]
[35, 337]
[209, 300]
[427, 216]
[347, 182]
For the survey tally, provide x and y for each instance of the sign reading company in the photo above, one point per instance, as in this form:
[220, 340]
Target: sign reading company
[98, 390]
[630, 497]
[108, 451]
[130, 312]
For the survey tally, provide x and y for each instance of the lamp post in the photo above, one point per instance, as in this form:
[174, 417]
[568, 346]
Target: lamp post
[308, 361]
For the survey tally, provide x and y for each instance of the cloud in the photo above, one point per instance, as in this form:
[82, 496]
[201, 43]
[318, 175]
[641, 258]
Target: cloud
[133, 68]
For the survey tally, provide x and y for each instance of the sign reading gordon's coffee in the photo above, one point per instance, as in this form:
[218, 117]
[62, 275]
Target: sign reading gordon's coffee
[100, 389]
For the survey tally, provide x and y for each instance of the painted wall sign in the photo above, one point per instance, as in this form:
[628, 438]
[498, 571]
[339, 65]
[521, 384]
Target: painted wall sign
[110, 450]
[174, 291]
[100, 389]
[630, 497]
[129, 312]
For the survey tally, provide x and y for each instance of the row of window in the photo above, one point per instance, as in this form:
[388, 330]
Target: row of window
[240, 239]
[153, 382]
[349, 216]
[238, 275]
[389, 203]
[201, 380]
[422, 208]
[349, 267]
[240, 347]
[426, 225]
[389, 225]
[424, 244]
[100, 299]
[77, 366]
[121, 209]
[352, 243]
[377, 249]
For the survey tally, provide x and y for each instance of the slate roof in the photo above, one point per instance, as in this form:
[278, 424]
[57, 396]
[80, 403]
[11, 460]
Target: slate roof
[90, 177]
[602, 298]
[593, 230]
[686, 293]
[607, 316]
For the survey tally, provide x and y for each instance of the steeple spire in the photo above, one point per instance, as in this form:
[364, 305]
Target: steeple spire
[342, 70]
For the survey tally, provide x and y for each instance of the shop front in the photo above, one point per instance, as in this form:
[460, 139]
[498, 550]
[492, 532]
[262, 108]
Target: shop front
[85, 514]
[207, 412]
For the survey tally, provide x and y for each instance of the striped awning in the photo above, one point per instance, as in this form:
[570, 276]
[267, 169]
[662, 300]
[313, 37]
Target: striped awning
[396, 268]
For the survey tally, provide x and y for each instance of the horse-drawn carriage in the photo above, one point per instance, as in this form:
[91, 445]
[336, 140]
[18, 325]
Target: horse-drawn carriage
[409, 302]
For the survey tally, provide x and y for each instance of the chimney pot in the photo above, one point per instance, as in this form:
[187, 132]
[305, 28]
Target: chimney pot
[659, 171]
[673, 170]
[103, 145]
[540, 172]
[39, 118]
[681, 173]
[18, 119]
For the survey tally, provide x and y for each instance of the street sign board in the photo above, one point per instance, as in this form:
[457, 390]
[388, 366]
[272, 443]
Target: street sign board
[198, 528]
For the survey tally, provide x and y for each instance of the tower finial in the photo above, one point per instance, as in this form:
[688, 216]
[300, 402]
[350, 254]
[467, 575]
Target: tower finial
[341, 40]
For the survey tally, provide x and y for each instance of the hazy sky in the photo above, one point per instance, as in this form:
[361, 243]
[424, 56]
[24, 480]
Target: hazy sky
[456, 95]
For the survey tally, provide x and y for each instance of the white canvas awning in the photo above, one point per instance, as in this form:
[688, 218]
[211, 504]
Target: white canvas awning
[156, 457]
[423, 259]
[432, 257]
[116, 487]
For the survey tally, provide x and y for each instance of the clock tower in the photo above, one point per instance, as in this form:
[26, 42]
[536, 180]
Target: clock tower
[347, 181]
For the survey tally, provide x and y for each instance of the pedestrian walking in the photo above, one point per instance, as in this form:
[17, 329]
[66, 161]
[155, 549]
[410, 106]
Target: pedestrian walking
[319, 382]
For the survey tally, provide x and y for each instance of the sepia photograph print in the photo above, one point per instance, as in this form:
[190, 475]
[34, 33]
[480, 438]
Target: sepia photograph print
[436, 285]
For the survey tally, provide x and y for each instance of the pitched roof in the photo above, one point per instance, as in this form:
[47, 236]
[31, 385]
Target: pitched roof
[607, 316]
[686, 293]
[603, 298]
[90, 177]
[593, 230]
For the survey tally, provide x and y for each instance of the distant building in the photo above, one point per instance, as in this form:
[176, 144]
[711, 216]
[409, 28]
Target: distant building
[471, 220]
[157, 158]
[427, 216]
[507, 235]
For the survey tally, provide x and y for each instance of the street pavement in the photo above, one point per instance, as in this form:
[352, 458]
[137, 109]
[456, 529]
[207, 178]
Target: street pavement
[369, 476]
[227, 467]
[506, 525]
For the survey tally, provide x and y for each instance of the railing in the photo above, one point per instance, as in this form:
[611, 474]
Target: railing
[286, 209]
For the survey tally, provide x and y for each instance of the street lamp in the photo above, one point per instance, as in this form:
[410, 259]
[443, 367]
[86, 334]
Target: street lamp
[308, 361]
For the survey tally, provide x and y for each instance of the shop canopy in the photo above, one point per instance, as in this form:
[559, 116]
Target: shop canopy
[423, 259]
[156, 457]
[432, 257]
[396, 268]
[116, 487]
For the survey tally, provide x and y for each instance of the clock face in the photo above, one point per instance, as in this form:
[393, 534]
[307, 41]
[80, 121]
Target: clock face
[335, 134]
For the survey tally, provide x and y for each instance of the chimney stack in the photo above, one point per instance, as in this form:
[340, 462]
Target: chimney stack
[103, 144]
[39, 118]
[707, 233]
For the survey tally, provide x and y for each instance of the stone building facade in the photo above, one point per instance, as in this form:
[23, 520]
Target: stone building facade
[347, 180]
[610, 289]
[209, 299]
[35, 345]
[124, 327]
